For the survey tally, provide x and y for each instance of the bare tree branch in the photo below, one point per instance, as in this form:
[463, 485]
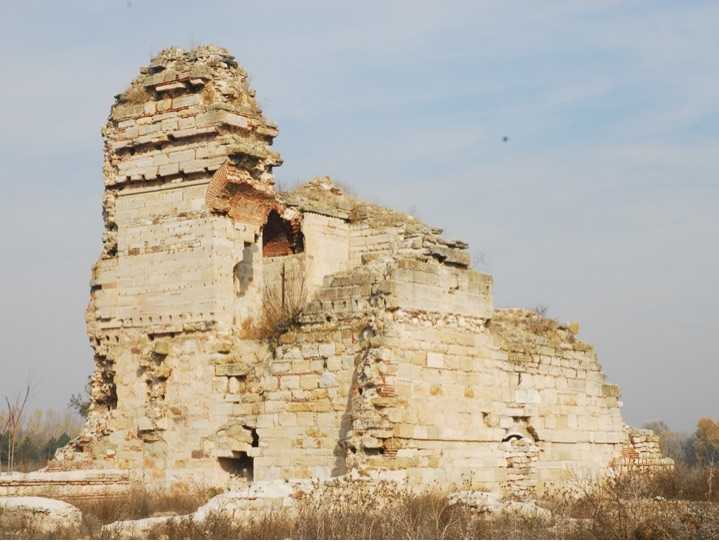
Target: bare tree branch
[15, 409]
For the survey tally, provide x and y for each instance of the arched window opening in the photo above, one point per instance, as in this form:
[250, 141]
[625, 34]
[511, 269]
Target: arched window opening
[280, 237]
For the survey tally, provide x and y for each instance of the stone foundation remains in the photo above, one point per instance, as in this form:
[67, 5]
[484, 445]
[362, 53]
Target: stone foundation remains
[77, 484]
[245, 334]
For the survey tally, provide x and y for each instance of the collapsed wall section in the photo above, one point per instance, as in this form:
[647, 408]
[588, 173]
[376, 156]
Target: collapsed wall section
[512, 402]
[642, 451]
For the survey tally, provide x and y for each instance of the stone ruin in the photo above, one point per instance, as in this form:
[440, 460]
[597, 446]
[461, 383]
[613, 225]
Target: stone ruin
[242, 333]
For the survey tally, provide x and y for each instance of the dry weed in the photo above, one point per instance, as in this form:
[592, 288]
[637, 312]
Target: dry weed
[630, 505]
[136, 95]
[282, 306]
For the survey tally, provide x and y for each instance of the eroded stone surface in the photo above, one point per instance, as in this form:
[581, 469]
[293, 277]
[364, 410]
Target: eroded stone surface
[398, 367]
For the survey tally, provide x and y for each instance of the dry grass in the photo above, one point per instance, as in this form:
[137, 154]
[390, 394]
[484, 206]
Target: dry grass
[687, 483]
[140, 503]
[281, 309]
[136, 95]
[667, 505]
[627, 507]
[427, 516]
[540, 323]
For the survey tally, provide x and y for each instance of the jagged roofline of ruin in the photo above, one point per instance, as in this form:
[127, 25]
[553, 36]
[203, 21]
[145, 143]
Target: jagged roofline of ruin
[181, 101]
[398, 360]
[168, 108]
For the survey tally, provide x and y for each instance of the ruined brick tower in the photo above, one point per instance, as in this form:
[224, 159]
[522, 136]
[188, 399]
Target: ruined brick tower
[394, 363]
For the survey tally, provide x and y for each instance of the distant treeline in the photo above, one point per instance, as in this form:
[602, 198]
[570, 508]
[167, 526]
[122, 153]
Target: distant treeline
[700, 448]
[39, 436]
[29, 453]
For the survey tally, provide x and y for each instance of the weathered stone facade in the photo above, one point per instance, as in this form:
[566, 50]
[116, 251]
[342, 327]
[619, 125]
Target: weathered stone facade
[398, 365]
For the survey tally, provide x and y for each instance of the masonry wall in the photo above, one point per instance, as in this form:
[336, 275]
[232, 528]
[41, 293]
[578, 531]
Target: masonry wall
[327, 245]
[367, 241]
[84, 484]
[430, 286]
[513, 401]
[305, 409]
[437, 392]
[163, 272]
[169, 404]
[398, 364]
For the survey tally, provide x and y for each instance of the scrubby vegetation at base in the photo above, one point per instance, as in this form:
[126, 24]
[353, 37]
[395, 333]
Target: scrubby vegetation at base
[139, 503]
[683, 503]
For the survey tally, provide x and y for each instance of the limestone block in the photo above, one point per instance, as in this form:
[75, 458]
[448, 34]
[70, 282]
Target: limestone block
[326, 349]
[267, 420]
[301, 366]
[611, 390]
[233, 385]
[327, 380]
[183, 156]
[231, 369]
[287, 419]
[187, 100]
[309, 382]
[435, 360]
[221, 117]
[280, 368]
[290, 382]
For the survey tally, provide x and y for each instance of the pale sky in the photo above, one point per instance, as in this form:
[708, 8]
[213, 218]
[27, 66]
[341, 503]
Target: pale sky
[602, 205]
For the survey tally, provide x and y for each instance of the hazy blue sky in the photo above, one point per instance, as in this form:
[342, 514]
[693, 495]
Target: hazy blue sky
[603, 205]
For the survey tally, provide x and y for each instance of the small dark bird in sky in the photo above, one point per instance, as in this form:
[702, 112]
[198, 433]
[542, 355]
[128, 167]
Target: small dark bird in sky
[505, 139]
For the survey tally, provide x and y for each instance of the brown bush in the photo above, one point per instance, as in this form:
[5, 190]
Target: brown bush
[282, 306]
[687, 483]
[141, 503]
[638, 505]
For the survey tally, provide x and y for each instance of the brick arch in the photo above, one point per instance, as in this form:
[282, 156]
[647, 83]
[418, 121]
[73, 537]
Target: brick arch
[234, 192]
[281, 237]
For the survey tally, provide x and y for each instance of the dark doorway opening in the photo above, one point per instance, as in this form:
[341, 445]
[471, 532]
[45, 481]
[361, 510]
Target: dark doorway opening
[241, 465]
[280, 237]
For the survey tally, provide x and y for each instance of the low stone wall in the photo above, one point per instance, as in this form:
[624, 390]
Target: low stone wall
[643, 451]
[79, 484]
